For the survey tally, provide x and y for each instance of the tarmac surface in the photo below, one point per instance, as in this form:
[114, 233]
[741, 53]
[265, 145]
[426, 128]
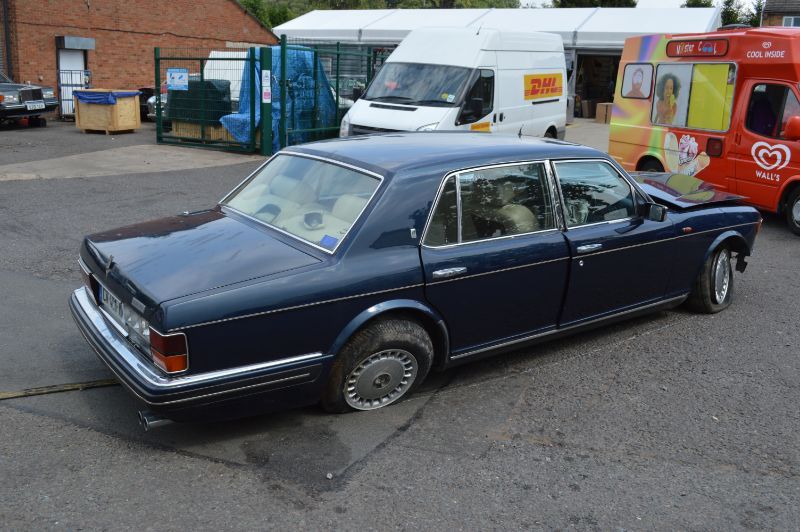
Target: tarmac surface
[671, 421]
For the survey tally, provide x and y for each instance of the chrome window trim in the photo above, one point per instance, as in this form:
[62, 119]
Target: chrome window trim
[624, 178]
[456, 174]
[334, 162]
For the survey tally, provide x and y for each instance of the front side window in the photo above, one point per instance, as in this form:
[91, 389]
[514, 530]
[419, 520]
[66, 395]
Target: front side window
[769, 109]
[594, 192]
[495, 202]
[480, 98]
[310, 199]
[418, 84]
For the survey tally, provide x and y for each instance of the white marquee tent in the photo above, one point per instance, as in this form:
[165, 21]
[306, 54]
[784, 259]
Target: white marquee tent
[593, 37]
[581, 28]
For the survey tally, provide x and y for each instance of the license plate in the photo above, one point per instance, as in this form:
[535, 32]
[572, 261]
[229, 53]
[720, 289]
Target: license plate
[112, 305]
[33, 106]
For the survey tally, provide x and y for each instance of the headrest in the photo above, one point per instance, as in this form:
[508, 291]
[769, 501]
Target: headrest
[348, 207]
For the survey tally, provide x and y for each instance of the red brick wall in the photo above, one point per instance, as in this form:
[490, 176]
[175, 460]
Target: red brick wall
[126, 31]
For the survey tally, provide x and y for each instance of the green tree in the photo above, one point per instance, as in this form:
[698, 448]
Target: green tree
[731, 12]
[594, 3]
[753, 16]
[698, 3]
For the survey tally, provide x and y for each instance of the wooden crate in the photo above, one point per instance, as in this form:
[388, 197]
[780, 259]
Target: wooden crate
[190, 131]
[122, 116]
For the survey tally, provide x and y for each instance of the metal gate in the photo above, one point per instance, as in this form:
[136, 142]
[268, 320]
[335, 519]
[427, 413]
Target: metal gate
[68, 81]
[258, 99]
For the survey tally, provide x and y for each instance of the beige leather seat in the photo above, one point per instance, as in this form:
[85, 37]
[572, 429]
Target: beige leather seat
[516, 218]
[334, 224]
[286, 194]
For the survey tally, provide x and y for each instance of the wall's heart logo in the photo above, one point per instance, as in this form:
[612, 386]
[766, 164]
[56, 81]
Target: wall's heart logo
[771, 157]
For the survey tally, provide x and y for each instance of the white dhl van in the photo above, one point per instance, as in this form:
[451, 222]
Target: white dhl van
[477, 79]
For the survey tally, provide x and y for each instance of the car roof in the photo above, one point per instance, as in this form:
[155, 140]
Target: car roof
[413, 153]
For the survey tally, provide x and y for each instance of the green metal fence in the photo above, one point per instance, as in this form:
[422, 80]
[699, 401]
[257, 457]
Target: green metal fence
[257, 100]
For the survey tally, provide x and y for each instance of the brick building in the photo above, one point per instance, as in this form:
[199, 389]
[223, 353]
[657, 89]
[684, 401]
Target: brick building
[114, 39]
[781, 13]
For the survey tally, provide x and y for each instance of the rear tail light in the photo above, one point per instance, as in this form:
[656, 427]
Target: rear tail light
[169, 351]
[714, 147]
[88, 280]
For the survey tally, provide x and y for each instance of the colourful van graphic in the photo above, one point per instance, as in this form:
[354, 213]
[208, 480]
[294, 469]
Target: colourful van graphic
[723, 106]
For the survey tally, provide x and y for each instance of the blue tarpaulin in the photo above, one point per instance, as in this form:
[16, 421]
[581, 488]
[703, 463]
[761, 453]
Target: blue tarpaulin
[301, 94]
[103, 97]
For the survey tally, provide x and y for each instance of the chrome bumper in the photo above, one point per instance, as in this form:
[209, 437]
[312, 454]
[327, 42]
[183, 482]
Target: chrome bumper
[157, 389]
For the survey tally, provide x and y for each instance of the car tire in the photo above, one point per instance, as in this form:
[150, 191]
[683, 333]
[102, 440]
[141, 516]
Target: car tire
[651, 165]
[793, 211]
[713, 289]
[380, 365]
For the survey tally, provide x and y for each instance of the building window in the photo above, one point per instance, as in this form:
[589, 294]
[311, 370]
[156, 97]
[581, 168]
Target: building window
[791, 21]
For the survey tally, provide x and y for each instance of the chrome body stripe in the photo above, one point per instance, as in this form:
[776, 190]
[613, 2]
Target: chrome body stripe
[560, 259]
[295, 307]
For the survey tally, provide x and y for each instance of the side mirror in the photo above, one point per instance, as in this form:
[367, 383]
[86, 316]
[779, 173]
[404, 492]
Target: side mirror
[792, 130]
[655, 212]
[357, 92]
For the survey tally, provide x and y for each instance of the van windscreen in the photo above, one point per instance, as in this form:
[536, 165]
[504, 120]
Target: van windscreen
[418, 84]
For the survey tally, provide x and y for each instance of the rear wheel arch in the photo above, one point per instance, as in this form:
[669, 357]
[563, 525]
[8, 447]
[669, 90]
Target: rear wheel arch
[551, 132]
[409, 310]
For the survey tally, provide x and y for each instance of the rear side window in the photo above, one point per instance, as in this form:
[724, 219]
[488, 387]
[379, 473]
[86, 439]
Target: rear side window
[494, 202]
[769, 109]
[594, 192]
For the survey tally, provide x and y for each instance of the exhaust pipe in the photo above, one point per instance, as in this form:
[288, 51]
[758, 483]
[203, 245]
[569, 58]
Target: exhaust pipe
[150, 420]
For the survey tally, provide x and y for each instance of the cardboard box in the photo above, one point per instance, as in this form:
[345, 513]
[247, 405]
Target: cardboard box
[587, 108]
[603, 113]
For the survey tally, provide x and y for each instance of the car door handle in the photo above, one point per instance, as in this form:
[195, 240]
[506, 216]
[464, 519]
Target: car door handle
[588, 248]
[449, 272]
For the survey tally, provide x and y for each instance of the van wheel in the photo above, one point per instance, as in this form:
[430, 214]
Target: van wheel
[713, 288]
[380, 365]
[550, 134]
[650, 165]
[793, 211]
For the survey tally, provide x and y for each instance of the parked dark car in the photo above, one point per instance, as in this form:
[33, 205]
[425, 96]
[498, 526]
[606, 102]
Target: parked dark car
[18, 100]
[342, 271]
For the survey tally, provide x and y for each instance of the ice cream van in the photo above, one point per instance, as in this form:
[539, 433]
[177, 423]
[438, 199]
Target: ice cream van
[477, 79]
[721, 106]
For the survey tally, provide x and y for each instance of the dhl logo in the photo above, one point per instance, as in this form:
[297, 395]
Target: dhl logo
[539, 86]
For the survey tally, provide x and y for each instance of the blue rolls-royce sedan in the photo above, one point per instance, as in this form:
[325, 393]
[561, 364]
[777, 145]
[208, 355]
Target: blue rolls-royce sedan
[341, 272]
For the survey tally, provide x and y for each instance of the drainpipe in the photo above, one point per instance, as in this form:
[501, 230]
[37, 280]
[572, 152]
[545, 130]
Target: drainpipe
[7, 33]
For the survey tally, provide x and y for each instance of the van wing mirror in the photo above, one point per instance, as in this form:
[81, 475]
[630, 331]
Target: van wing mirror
[792, 130]
[357, 92]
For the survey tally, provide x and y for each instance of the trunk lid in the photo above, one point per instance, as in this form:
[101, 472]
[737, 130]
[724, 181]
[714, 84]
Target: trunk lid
[182, 255]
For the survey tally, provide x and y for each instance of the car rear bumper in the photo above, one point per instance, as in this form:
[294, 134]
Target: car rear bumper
[304, 374]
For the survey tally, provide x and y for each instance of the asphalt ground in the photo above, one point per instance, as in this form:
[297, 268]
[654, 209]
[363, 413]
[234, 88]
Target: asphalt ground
[671, 421]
